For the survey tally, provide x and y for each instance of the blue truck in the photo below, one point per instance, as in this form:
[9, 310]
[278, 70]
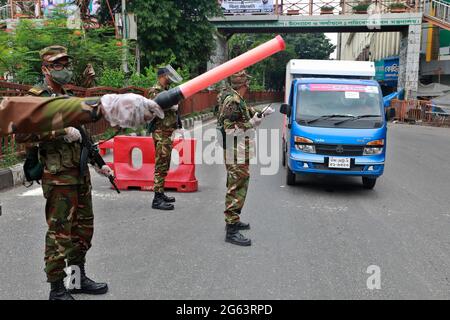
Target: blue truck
[334, 120]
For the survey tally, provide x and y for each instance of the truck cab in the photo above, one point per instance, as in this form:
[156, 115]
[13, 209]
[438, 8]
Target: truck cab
[334, 120]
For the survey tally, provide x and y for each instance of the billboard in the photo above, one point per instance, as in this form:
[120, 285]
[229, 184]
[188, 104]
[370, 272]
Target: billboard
[247, 6]
[391, 67]
[387, 69]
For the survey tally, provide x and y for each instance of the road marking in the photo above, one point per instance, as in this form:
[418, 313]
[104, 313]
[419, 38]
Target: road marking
[33, 193]
[37, 192]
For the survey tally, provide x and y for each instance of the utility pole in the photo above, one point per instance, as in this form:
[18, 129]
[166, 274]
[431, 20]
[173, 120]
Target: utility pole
[124, 37]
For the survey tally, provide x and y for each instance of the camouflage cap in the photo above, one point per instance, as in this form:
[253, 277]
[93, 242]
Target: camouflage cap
[240, 79]
[53, 53]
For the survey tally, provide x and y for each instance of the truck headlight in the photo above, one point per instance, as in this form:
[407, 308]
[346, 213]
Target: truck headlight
[304, 144]
[374, 147]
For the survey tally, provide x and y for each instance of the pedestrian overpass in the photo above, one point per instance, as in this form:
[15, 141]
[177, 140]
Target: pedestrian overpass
[296, 16]
[304, 16]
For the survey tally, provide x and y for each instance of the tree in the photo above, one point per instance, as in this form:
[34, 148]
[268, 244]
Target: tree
[171, 30]
[312, 46]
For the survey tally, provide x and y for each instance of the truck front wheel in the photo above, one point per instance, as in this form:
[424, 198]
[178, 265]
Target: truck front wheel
[290, 177]
[369, 183]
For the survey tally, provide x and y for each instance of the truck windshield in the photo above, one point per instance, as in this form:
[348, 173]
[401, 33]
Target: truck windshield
[335, 105]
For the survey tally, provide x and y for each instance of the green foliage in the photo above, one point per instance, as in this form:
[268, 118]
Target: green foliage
[312, 46]
[112, 78]
[116, 77]
[270, 73]
[397, 5]
[9, 156]
[327, 8]
[172, 28]
[19, 52]
[362, 5]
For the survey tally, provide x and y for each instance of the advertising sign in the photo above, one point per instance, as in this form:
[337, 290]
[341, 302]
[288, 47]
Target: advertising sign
[387, 69]
[247, 6]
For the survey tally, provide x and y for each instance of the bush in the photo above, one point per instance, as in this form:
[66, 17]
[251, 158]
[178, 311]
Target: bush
[397, 5]
[112, 78]
[327, 8]
[9, 156]
[362, 6]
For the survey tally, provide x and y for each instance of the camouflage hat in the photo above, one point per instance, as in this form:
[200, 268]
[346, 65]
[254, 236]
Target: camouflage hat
[53, 53]
[239, 79]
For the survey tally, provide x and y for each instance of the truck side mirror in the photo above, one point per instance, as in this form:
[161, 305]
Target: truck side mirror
[285, 109]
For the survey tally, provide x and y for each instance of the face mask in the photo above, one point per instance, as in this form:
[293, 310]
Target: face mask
[61, 77]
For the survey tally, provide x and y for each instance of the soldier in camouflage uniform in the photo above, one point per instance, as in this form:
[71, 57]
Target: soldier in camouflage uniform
[162, 137]
[69, 202]
[31, 115]
[236, 119]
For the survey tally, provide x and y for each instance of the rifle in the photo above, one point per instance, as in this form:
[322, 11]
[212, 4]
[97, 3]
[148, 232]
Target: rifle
[90, 154]
[260, 114]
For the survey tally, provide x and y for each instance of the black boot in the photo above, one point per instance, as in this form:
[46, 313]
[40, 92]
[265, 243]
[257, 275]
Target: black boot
[168, 198]
[235, 237]
[89, 286]
[58, 291]
[159, 203]
[242, 225]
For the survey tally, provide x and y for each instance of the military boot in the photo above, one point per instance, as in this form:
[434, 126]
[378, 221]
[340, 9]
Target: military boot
[159, 203]
[235, 237]
[168, 198]
[89, 286]
[241, 226]
[58, 291]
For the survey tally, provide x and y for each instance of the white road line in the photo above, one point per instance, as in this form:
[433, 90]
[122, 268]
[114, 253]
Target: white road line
[33, 193]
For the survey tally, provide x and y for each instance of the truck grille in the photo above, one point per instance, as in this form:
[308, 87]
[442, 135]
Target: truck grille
[339, 150]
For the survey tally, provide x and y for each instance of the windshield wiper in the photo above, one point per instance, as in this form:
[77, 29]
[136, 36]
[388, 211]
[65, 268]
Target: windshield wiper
[329, 116]
[358, 117]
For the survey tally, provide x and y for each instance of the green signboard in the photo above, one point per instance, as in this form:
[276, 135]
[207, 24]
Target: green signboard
[379, 70]
[444, 38]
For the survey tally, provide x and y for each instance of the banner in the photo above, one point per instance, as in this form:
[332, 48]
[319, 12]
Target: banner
[247, 6]
[387, 69]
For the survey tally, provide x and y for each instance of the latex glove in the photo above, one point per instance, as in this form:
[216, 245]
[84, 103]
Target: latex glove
[104, 171]
[268, 111]
[255, 121]
[72, 135]
[129, 110]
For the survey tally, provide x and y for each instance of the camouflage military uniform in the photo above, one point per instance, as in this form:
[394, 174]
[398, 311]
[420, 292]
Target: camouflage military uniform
[38, 115]
[69, 202]
[234, 112]
[162, 136]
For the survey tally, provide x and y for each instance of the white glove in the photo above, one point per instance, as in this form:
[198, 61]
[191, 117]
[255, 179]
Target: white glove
[72, 135]
[129, 110]
[255, 121]
[104, 171]
[268, 111]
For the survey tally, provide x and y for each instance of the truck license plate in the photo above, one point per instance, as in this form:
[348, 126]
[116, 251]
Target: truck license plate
[339, 163]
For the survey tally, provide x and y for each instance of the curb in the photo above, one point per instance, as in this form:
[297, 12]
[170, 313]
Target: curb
[189, 122]
[11, 177]
[18, 174]
[6, 179]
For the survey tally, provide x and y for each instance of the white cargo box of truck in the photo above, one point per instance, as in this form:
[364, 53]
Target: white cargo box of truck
[305, 68]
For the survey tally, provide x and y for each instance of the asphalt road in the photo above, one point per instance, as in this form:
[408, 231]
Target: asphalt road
[314, 240]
